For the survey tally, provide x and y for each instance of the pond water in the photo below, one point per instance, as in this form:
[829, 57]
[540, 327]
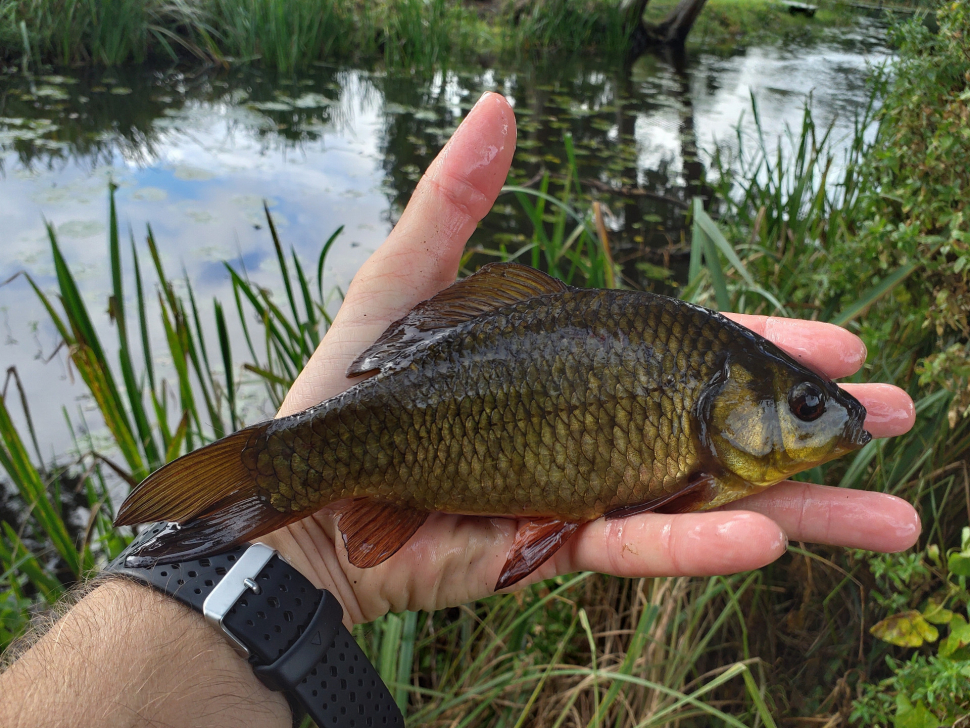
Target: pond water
[196, 155]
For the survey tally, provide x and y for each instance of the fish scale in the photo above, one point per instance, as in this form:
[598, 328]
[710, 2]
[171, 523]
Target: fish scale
[573, 426]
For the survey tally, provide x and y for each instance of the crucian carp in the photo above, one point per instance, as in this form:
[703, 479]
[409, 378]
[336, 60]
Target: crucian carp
[512, 394]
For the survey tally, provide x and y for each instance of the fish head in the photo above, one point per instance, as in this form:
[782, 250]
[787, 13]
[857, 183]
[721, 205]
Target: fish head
[769, 417]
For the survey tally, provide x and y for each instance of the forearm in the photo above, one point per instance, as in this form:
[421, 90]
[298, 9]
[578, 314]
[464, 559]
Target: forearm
[128, 656]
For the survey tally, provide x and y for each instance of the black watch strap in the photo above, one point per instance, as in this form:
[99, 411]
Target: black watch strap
[273, 616]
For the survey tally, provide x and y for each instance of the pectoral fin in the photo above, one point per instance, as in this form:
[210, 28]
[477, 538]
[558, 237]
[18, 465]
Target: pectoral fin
[374, 531]
[534, 542]
[697, 492]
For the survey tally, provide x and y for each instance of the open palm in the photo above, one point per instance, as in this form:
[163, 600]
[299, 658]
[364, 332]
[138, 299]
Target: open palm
[455, 559]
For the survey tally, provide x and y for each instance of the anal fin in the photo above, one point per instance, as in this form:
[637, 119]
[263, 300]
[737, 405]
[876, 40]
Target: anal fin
[699, 490]
[534, 543]
[374, 531]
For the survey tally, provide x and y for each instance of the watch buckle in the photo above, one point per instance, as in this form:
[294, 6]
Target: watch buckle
[237, 581]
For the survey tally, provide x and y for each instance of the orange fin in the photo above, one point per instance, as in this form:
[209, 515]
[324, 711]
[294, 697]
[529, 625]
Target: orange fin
[534, 542]
[374, 531]
[243, 518]
[194, 483]
[700, 489]
[493, 286]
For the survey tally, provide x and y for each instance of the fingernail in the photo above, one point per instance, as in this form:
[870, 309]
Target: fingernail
[481, 99]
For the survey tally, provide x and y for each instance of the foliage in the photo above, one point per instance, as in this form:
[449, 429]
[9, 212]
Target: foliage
[289, 34]
[726, 24]
[929, 690]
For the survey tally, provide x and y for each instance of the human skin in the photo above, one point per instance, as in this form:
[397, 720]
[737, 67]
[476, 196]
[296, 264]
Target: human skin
[125, 656]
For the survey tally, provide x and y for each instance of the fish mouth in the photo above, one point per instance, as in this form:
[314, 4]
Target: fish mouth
[855, 436]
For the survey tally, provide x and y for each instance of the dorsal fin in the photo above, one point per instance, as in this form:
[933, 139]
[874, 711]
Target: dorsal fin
[493, 286]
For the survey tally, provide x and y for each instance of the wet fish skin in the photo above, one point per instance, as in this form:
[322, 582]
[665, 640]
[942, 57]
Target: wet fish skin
[511, 394]
[568, 405]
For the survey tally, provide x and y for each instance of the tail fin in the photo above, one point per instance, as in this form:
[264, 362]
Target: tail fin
[193, 484]
[227, 525]
[211, 497]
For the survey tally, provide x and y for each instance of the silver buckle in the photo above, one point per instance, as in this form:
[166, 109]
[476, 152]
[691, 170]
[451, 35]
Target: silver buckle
[233, 585]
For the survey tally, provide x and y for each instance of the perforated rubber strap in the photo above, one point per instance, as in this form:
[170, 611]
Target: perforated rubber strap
[292, 631]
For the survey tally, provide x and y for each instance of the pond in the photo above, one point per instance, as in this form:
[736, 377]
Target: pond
[196, 155]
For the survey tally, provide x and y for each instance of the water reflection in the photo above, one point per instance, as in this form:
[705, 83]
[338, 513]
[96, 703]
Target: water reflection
[196, 156]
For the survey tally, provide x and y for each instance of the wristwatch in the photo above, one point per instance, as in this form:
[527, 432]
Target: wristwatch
[289, 631]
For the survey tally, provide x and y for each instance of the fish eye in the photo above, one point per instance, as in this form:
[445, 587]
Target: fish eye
[807, 401]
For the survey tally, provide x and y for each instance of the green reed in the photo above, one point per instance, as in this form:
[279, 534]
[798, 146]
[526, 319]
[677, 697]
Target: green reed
[290, 34]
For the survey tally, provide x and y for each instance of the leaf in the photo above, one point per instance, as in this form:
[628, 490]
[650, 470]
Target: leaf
[906, 629]
[958, 638]
[936, 613]
[913, 716]
[959, 564]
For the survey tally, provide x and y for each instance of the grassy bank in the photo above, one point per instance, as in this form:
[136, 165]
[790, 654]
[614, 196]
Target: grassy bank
[402, 33]
[293, 33]
[884, 250]
[725, 24]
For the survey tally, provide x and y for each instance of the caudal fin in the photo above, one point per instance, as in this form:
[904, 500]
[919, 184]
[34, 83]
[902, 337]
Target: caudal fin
[242, 519]
[212, 497]
[193, 484]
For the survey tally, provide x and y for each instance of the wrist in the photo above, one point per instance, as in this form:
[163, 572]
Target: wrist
[288, 630]
[128, 656]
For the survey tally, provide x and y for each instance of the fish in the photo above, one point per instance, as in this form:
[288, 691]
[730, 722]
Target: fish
[512, 394]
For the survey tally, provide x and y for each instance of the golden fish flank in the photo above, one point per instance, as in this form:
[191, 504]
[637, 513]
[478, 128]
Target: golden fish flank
[511, 394]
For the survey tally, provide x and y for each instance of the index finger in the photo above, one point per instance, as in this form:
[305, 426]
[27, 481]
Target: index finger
[824, 347]
[421, 255]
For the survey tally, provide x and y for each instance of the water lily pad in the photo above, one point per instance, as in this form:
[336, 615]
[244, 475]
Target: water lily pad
[395, 108]
[256, 201]
[654, 272]
[149, 194]
[192, 174]
[200, 216]
[80, 228]
[312, 100]
[271, 106]
[51, 92]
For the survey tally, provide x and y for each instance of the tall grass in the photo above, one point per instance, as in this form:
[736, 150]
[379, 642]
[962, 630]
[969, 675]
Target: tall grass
[290, 34]
[285, 35]
[110, 32]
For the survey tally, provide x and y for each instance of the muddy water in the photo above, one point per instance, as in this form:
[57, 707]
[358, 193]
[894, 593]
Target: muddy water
[196, 156]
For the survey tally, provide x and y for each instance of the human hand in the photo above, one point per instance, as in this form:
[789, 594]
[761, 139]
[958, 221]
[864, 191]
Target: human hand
[456, 559]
